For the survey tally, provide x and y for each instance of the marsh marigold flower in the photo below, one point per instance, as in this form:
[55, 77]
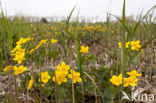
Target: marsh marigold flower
[44, 41]
[30, 82]
[75, 76]
[130, 81]
[60, 77]
[63, 67]
[17, 48]
[54, 41]
[119, 44]
[19, 42]
[45, 77]
[135, 45]
[19, 56]
[19, 70]
[84, 49]
[18, 52]
[23, 40]
[42, 85]
[127, 44]
[7, 68]
[133, 73]
[116, 80]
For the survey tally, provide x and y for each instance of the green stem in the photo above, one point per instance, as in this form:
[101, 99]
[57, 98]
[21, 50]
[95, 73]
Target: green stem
[123, 56]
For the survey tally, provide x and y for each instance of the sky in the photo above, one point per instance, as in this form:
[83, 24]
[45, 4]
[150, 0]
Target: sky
[86, 8]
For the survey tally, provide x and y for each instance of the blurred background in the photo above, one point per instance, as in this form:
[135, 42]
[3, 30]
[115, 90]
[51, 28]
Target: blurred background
[91, 9]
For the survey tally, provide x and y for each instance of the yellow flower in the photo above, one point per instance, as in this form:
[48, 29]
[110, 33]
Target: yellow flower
[45, 77]
[119, 44]
[112, 31]
[60, 77]
[19, 51]
[75, 75]
[23, 40]
[44, 41]
[135, 45]
[54, 41]
[84, 49]
[127, 44]
[27, 39]
[19, 56]
[37, 46]
[17, 48]
[19, 70]
[40, 43]
[7, 68]
[31, 51]
[42, 85]
[63, 67]
[138, 42]
[133, 73]
[56, 33]
[20, 41]
[30, 82]
[116, 80]
[130, 81]
[142, 50]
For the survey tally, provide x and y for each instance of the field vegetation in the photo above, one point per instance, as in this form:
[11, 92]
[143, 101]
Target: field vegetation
[77, 62]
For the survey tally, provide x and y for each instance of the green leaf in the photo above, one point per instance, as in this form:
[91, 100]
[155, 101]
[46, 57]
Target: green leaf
[94, 84]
